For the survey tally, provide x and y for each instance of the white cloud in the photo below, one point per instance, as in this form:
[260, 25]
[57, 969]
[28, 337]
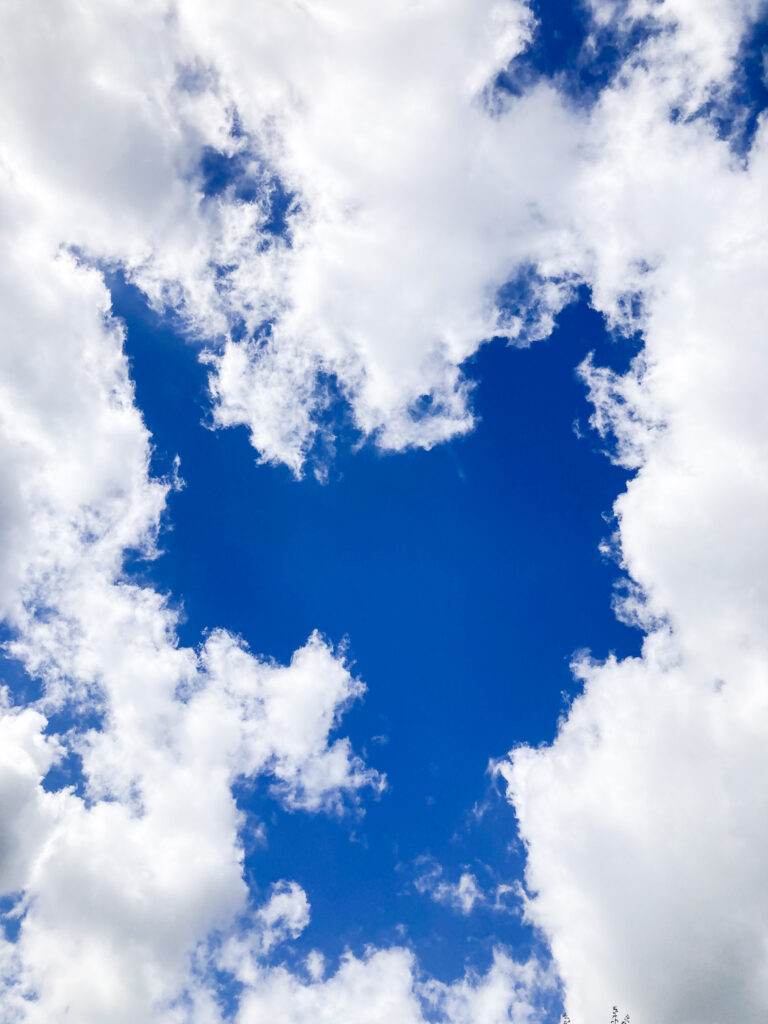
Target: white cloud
[374, 117]
[28, 813]
[644, 820]
[696, 40]
[465, 893]
[284, 916]
[286, 913]
[128, 884]
[118, 883]
[462, 895]
[385, 986]
[509, 991]
[368, 991]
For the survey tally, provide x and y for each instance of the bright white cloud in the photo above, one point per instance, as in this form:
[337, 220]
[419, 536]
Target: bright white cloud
[414, 204]
[385, 986]
[509, 991]
[119, 882]
[462, 895]
[127, 884]
[644, 821]
[284, 916]
[374, 117]
[28, 813]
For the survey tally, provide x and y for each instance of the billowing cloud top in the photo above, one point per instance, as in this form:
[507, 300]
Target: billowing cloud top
[339, 203]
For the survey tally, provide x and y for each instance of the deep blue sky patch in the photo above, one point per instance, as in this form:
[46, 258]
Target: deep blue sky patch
[570, 49]
[463, 580]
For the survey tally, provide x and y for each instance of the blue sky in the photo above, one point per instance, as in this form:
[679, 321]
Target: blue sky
[382, 503]
[463, 579]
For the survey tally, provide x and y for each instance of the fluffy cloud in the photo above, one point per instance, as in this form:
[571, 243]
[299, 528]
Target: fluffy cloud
[28, 813]
[123, 883]
[118, 876]
[644, 821]
[509, 991]
[386, 985]
[375, 120]
[378, 120]
[417, 192]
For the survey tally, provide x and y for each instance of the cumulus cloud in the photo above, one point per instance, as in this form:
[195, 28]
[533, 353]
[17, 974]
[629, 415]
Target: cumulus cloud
[118, 874]
[284, 916]
[127, 880]
[285, 913]
[385, 985]
[509, 991]
[644, 820]
[375, 120]
[379, 123]
[415, 193]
